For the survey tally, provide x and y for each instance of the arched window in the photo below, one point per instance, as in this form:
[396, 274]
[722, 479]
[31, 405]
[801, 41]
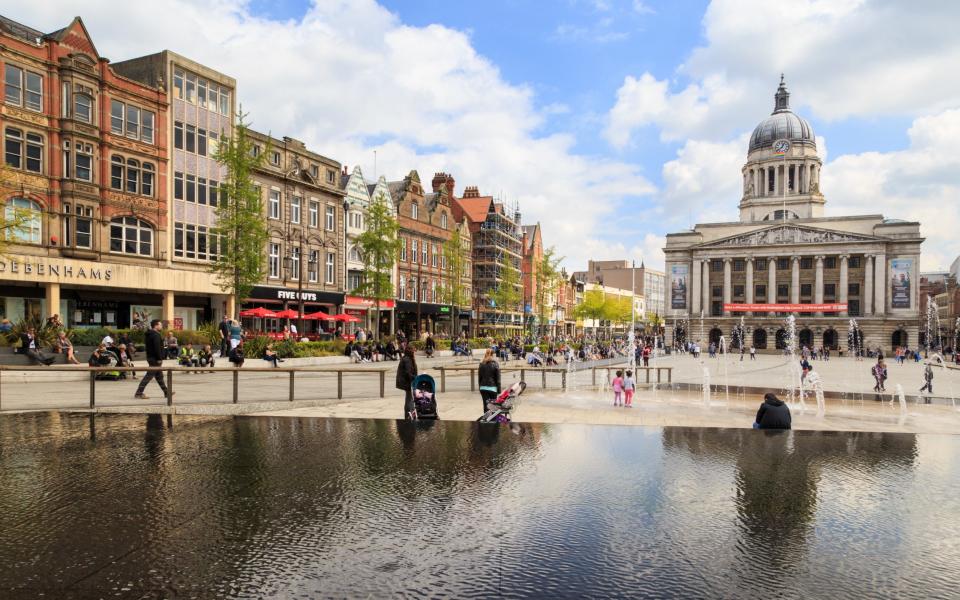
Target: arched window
[116, 172]
[133, 176]
[414, 210]
[443, 220]
[355, 254]
[28, 213]
[130, 235]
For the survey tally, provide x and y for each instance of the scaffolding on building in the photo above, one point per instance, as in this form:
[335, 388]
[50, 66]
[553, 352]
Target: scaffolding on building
[498, 238]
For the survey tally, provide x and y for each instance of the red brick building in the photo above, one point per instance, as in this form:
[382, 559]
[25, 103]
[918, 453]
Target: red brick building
[532, 245]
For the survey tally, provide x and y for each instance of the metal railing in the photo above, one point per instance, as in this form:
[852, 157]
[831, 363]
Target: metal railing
[290, 371]
[474, 369]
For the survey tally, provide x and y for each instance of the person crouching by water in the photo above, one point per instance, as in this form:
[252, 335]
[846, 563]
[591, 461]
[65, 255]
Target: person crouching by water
[406, 373]
[773, 414]
[488, 377]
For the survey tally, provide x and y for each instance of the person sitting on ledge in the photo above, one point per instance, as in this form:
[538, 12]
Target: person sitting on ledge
[270, 355]
[28, 346]
[188, 358]
[773, 414]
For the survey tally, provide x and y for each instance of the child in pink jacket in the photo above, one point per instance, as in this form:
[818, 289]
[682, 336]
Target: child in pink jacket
[617, 385]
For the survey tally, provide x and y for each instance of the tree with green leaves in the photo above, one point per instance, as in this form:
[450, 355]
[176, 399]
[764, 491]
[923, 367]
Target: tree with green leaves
[453, 291]
[13, 220]
[508, 293]
[241, 227]
[547, 278]
[592, 307]
[379, 245]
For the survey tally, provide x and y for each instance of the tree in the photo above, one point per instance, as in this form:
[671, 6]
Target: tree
[379, 245]
[547, 278]
[592, 306]
[12, 220]
[241, 227]
[508, 293]
[454, 293]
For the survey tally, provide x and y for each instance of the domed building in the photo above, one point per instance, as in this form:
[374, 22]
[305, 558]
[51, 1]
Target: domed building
[785, 256]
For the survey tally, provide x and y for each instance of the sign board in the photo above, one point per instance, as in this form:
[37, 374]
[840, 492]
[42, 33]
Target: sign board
[900, 272]
[678, 286]
[368, 302]
[834, 307]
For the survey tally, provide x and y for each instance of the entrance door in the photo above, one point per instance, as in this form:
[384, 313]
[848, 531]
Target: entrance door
[760, 339]
[781, 339]
[899, 338]
[715, 334]
[830, 339]
[806, 338]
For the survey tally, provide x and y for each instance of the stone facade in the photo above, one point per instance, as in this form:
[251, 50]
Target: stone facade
[784, 251]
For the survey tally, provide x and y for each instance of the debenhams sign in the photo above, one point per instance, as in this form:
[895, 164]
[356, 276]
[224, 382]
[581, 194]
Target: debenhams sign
[48, 269]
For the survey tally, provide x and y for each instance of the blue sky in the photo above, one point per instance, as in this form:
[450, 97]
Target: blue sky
[612, 122]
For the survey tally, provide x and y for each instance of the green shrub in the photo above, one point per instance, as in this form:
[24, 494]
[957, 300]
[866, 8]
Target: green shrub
[45, 335]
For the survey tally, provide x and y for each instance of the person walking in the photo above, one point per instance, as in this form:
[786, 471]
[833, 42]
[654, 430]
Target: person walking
[224, 330]
[879, 372]
[753, 353]
[488, 377]
[617, 386]
[629, 386]
[927, 379]
[406, 373]
[155, 354]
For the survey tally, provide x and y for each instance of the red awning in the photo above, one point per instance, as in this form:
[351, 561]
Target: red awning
[287, 314]
[258, 312]
[347, 318]
[318, 316]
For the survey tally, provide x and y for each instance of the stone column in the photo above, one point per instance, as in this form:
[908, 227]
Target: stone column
[772, 280]
[776, 181]
[844, 282]
[705, 287]
[53, 301]
[727, 276]
[168, 308]
[795, 280]
[880, 284]
[818, 285]
[694, 280]
[867, 285]
[749, 289]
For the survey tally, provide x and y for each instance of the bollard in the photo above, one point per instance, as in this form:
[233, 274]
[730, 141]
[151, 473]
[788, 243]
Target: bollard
[474, 375]
[523, 375]
[236, 385]
[543, 379]
[647, 369]
[563, 379]
[658, 373]
[291, 384]
[339, 385]
[594, 376]
[169, 387]
[93, 388]
[669, 374]
[383, 383]
[443, 379]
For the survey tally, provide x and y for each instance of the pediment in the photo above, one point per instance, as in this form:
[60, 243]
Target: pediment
[784, 235]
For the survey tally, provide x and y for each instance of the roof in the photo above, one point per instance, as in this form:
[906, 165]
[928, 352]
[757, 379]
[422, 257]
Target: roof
[475, 208]
[20, 30]
[530, 234]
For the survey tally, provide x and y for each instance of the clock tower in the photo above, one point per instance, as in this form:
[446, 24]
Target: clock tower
[781, 178]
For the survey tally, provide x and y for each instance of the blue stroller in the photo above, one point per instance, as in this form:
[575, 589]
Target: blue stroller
[424, 398]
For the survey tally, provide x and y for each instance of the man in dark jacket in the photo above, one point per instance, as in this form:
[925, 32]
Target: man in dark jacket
[155, 356]
[406, 373]
[28, 346]
[773, 414]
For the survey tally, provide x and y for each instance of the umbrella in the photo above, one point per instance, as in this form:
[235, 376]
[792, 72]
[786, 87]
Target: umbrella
[258, 312]
[346, 318]
[318, 316]
[287, 314]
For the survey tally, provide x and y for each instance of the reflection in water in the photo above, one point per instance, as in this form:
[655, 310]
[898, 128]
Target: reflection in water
[325, 507]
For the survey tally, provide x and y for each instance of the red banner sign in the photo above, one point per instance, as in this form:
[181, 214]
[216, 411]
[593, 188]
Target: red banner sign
[358, 301]
[835, 307]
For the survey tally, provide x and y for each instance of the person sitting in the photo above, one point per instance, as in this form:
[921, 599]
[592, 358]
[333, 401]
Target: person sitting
[188, 357]
[6, 326]
[773, 414]
[205, 356]
[236, 355]
[430, 346]
[28, 346]
[171, 346]
[101, 357]
[124, 360]
[391, 352]
[367, 353]
[124, 338]
[353, 351]
[535, 359]
[63, 345]
[270, 355]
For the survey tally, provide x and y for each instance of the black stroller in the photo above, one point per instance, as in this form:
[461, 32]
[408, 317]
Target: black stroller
[424, 398]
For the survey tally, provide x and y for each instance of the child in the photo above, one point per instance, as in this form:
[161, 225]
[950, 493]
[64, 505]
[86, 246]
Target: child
[628, 388]
[617, 385]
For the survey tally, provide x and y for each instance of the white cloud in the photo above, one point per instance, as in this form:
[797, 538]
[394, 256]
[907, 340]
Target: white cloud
[921, 183]
[703, 184]
[641, 8]
[350, 77]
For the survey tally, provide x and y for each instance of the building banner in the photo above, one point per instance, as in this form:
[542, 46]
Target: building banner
[832, 307]
[900, 271]
[678, 286]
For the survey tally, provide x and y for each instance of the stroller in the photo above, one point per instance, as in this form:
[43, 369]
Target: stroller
[424, 398]
[498, 411]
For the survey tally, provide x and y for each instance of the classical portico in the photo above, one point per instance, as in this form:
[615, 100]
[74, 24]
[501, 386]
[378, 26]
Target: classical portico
[867, 262]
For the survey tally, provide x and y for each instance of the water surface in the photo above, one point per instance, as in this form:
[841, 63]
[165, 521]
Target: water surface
[126, 506]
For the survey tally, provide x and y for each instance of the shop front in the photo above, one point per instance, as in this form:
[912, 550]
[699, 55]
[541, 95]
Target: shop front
[434, 319]
[365, 310]
[277, 299]
[87, 294]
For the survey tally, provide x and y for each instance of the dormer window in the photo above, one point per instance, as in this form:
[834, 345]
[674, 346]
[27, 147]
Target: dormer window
[275, 159]
[443, 220]
[414, 210]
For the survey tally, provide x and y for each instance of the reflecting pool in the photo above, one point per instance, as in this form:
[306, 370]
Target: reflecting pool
[131, 506]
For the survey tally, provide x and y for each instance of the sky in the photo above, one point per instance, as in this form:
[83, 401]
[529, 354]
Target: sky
[611, 122]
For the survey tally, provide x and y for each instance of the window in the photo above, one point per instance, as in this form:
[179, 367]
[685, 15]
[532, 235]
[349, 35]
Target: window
[853, 289]
[255, 151]
[433, 255]
[717, 291]
[854, 262]
[330, 218]
[84, 161]
[830, 290]
[116, 116]
[214, 192]
[202, 141]
[25, 153]
[67, 164]
[191, 240]
[213, 143]
[413, 251]
[191, 188]
[13, 85]
[403, 251]
[275, 158]
[443, 220]
[82, 224]
[133, 176]
[761, 264]
[274, 261]
[201, 190]
[331, 176]
[212, 102]
[783, 290]
[146, 180]
[224, 102]
[353, 281]
[130, 235]
[312, 266]
[414, 210]
[760, 292]
[314, 214]
[739, 265]
[133, 122]
[716, 266]
[331, 257]
[423, 253]
[17, 81]
[82, 107]
[402, 290]
[191, 142]
[178, 84]
[178, 185]
[853, 308]
[315, 171]
[355, 254]
[295, 210]
[191, 88]
[65, 100]
[830, 262]
[738, 291]
[295, 263]
[806, 263]
[30, 229]
[783, 264]
[273, 205]
[806, 289]
[178, 135]
[201, 93]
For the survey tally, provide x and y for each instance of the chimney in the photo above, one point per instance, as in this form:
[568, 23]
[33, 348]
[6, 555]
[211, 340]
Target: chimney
[344, 170]
[451, 184]
[439, 179]
[471, 191]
